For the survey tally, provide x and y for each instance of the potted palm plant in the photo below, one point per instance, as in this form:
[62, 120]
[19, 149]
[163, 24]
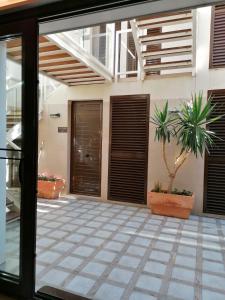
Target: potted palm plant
[188, 127]
[50, 187]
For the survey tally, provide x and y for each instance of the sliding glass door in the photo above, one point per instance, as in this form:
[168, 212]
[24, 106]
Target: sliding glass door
[18, 144]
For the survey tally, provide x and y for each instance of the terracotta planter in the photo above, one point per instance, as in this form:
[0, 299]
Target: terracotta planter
[171, 205]
[50, 189]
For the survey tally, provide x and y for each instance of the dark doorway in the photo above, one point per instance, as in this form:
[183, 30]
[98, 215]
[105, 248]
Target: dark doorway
[128, 157]
[86, 147]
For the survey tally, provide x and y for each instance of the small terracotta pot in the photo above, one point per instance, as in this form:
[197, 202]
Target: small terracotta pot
[50, 189]
[170, 205]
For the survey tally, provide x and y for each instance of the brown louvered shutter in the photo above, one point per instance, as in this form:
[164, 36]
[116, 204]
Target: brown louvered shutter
[214, 200]
[150, 48]
[128, 159]
[217, 49]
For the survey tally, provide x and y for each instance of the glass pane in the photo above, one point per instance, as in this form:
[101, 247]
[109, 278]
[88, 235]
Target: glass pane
[10, 153]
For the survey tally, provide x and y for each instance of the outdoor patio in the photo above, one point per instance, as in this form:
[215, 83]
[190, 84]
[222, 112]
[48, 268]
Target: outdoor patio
[112, 251]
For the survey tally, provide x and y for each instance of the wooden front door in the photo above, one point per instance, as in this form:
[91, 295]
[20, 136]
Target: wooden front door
[86, 147]
[128, 157]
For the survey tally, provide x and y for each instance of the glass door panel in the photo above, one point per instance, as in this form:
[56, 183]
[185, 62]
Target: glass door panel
[18, 156]
[10, 153]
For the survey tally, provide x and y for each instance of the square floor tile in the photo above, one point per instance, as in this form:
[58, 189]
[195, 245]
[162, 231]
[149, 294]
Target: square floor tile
[183, 274]
[48, 257]
[114, 246]
[212, 255]
[129, 261]
[42, 230]
[181, 291]
[133, 224]
[79, 221]
[116, 221]
[95, 242]
[109, 292]
[69, 227]
[120, 275]
[159, 255]
[75, 238]
[80, 285]
[39, 269]
[95, 268]
[55, 277]
[85, 230]
[155, 267]
[185, 261]
[136, 250]
[63, 246]
[103, 233]
[185, 250]
[215, 267]
[163, 246]
[210, 295]
[106, 256]
[149, 283]
[102, 219]
[45, 242]
[110, 227]
[71, 262]
[121, 237]
[213, 281]
[94, 224]
[53, 224]
[144, 242]
[58, 234]
[84, 251]
[141, 296]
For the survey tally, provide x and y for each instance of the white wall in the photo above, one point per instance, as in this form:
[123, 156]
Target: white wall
[55, 157]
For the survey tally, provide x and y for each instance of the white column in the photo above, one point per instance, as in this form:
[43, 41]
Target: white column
[2, 153]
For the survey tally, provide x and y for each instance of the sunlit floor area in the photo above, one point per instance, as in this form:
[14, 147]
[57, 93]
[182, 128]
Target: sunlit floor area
[111, 251]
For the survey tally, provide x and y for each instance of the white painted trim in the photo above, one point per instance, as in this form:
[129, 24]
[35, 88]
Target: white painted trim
[127, 73]
[168, 52]
[159, 67]
[64, 41]
[138, 48]
[166, 36]
[172, 39]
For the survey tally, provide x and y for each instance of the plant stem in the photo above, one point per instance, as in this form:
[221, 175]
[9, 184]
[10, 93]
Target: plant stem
[165, 158]
[177, 167]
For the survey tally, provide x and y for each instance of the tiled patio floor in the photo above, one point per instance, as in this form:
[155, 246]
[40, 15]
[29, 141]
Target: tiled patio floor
[110, 251]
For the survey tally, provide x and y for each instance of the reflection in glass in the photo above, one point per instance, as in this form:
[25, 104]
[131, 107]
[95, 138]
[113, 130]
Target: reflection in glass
[10, 154]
